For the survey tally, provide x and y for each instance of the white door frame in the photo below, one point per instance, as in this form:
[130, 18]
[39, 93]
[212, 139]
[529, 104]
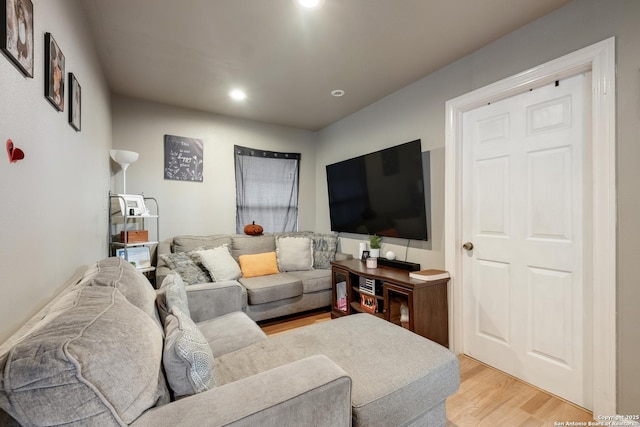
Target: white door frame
[600, 60]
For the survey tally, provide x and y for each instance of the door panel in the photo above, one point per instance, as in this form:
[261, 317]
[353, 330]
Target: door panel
[493, 293]
[549, 201]
[550, 296]
[492, 209]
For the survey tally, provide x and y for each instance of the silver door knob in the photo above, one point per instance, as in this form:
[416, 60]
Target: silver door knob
[467, 246]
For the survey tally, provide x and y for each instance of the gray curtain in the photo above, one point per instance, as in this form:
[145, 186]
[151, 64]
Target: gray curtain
[266, 189]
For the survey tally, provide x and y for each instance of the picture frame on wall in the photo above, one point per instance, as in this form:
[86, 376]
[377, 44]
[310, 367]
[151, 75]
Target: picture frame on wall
[75, 102]
[183, 158]
[53, 72]
[16, 41]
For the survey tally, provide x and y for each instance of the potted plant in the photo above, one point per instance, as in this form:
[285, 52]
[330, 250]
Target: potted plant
[374, 243]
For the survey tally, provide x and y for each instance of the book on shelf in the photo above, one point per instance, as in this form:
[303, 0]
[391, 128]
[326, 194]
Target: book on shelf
[429, 275]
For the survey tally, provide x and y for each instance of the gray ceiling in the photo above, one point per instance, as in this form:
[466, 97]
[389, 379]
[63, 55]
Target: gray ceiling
[190, 53]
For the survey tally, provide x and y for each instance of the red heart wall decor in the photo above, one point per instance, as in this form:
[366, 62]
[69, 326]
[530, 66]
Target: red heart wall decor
[14, 153]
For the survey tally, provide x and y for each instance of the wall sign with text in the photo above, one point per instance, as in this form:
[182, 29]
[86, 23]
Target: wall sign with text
[183, 159]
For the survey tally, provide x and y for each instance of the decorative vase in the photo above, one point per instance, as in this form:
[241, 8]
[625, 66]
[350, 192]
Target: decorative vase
[374, 253]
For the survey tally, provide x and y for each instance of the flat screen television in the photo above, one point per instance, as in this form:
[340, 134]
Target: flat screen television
[380, 193]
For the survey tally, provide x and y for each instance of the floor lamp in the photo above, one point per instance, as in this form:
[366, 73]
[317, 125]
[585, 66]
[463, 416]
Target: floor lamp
[124, 158]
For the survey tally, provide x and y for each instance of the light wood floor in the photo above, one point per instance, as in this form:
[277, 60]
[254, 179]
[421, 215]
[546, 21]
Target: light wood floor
[487, 397]
[293, 322]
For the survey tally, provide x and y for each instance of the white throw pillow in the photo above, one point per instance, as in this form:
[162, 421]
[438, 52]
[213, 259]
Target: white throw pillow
[294, 253]
[220, 264]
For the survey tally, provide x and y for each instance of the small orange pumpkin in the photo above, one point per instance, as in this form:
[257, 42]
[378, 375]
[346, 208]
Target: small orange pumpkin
[253, 229]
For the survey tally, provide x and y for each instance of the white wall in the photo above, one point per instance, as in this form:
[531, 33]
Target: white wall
[418, 111]
[54, 201]
[207, 207]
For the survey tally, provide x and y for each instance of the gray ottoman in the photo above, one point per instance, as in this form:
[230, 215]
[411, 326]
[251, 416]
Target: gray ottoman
[399, 378]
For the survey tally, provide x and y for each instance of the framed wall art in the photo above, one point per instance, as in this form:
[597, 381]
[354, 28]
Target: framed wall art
[183, 159]
[16, 40]
[53, 72]
[75, 102]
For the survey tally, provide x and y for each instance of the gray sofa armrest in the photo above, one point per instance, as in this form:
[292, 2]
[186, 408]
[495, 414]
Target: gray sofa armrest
[312, 391]
[165, 247]
[214, 299]
[161, 273]
[162, 270]
[340, 256]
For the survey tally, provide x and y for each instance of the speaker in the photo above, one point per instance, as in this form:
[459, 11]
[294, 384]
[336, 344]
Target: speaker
[400, 265]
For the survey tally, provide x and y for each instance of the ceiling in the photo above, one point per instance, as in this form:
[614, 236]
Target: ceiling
[191, 53]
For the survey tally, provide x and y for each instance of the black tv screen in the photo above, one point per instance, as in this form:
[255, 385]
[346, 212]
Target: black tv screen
[380, 193]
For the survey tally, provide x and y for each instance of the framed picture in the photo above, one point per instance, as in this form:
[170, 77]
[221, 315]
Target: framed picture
[365, 255]
[183, 158]
[16, 41]
[75, 102]
[53, 72]
[140, 257]
[132, 204]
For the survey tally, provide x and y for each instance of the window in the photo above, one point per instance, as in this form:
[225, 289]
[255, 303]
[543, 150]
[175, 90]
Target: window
[266, 189]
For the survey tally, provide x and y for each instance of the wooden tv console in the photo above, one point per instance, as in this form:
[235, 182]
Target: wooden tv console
[424, 302]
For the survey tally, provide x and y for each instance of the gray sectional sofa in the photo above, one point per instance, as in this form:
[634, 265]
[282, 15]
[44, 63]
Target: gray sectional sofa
[110, 350]
[302, 282]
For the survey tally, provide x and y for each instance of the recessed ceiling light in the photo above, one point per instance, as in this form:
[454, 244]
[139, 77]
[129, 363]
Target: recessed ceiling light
[337, 93]
[309, 3]
[238, 94]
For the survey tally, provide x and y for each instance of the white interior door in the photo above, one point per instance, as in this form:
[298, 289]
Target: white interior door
[525, 202]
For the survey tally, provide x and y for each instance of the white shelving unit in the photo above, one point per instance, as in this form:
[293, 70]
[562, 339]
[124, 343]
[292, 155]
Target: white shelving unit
[120, 220]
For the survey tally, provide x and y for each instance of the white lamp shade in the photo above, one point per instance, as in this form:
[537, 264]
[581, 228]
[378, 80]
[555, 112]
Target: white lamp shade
[123, 157]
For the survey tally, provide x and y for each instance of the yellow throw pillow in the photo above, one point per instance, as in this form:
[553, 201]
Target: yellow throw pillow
[258, 264]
